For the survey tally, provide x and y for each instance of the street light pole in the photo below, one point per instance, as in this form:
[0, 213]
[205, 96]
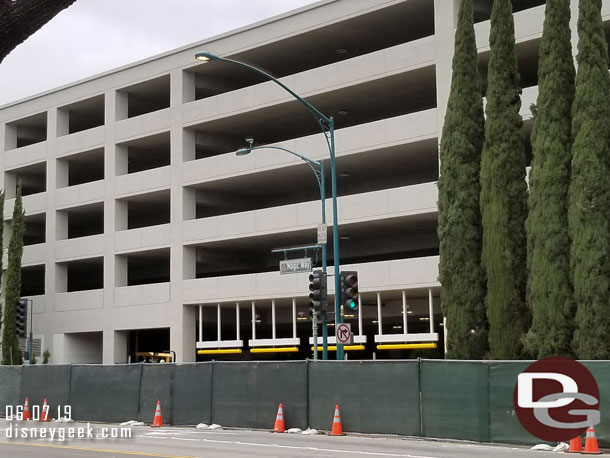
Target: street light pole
[319, 171]
[327, 125]
[31, 303]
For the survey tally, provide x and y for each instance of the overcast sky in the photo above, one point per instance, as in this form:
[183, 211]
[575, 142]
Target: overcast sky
[93, 36]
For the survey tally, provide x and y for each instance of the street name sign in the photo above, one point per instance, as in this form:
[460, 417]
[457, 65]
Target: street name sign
[294, 266]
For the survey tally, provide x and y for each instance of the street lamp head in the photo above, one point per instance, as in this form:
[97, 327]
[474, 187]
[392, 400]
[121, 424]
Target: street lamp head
[205, 56]
[243, 151]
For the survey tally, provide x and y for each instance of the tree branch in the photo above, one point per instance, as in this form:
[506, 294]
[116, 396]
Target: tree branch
[19, 19]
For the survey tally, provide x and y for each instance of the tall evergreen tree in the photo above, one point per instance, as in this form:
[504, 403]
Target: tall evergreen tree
[10, 342]
[1, 248]
[459, 218]
[549, 289]
[589, 194]
[504, 192]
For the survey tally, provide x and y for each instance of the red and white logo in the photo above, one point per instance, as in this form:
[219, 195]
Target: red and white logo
[556, 399]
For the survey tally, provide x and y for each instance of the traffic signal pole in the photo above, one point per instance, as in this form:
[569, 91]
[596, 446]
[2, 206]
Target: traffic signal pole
[31, 352]
[327, 125]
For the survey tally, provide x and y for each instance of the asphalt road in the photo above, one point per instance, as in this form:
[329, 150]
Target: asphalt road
[174, 442]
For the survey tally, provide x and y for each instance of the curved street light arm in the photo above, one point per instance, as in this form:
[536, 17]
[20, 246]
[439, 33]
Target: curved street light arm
[328, 130]
[321, 118]
[313, 164]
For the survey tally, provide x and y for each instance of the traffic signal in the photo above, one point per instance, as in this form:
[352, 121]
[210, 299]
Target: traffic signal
[349, 290]
[317, 291]
[21, 317]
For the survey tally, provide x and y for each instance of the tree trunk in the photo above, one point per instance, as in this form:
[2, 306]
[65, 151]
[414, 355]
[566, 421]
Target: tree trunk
[21, 18]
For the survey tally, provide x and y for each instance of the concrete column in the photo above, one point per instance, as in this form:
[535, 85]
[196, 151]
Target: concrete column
[121, 160]
[61, 278]
[188, 145]
[58, 355]
[182, 262]
[108, 347]
[62, 173]
[61, 226]
[189, 262]
[120, 271]
[120, 106]
[189, 204]
[188, 87]
[121, 215]
[110, 225]
[10, 185]
[183, 336]
[120, 346]
[10, 138]
[56, 275]
[63, 123]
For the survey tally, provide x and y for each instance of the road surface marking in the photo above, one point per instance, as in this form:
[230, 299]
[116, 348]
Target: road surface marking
[98, 450]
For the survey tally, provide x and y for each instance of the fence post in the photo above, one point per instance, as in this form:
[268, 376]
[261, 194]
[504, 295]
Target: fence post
[307, 403]
[140, 390]
[212, 393]
[421, 406]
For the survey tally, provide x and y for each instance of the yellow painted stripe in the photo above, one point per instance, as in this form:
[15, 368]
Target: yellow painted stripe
[98, 450]
[274, 350]
[220, 351]
[345, 347]
[406, 346]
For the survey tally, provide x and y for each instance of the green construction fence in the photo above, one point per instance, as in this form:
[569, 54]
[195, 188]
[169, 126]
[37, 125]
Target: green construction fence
[467, 400]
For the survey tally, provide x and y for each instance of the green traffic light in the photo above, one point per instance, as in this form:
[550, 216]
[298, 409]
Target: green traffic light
[351, 305]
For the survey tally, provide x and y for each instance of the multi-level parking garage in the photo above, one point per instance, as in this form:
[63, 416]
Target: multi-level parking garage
[145, 232]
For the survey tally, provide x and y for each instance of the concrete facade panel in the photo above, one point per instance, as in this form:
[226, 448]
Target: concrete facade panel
[420, 198]
[126, 296]
[81, 247]
[148, 123]
[38, 303]
[86, 139]
[32, 204]
[25, 155]
[414, 53]
[34, 254]
[411, 127]
[80, 194]
[148, 180]
[143, 237]
[200, 229]
[79, 300]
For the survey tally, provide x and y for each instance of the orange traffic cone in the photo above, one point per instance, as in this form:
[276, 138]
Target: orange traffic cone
[575, 445]
[158, 420]
[591, 443]
[44, 415]
[26, 410]
[279, 421]
[337, 429]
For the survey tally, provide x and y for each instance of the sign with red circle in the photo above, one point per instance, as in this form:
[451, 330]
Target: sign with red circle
[556, 399]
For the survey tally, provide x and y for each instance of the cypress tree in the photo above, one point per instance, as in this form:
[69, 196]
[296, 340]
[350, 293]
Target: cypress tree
[504, 192]
[10, 342]
[589, 194]
[549, 290]
[1, 245]
[459, 218]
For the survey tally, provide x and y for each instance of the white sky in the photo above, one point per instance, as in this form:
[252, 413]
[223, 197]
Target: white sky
[93, 36]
